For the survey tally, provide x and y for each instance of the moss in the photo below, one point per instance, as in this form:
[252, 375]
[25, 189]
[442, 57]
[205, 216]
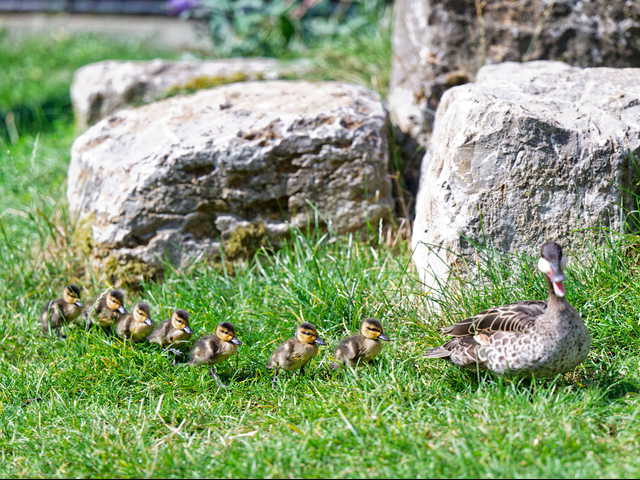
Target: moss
[245, 241]
[204, 82]
[127, 272]
[82, 236]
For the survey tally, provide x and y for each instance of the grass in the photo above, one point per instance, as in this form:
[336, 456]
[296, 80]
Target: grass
[92, 405]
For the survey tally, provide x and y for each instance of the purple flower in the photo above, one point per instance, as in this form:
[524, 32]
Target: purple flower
[176, 7]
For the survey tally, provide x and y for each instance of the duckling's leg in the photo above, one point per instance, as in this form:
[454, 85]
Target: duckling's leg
[214, 375]
[87, 321]
[274, 379]
[302, 370]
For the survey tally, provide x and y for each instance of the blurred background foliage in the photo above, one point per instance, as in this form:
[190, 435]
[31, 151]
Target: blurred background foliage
[281, 28]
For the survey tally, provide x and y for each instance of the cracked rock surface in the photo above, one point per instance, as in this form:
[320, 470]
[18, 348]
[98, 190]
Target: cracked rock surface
[175, 178]
[530, 152]
[438, 44]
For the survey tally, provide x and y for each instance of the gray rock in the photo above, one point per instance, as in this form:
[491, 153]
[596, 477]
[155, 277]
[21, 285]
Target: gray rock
[100, 89]
[531, 152]
[439, 44]
[180, 177]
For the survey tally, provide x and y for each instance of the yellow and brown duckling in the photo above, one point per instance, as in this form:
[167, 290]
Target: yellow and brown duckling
[364, 346]
[107, 309]
[174, 333]
[61, 311]
[136, 325]
[296, 352]
[213, 349]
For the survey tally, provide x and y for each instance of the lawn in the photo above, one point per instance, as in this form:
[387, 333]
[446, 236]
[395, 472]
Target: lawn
[92, 405]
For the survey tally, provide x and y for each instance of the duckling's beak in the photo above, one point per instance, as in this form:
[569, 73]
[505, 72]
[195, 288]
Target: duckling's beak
[78, 304]
[187, 329]
[121, 310]
[382, 336]
[319, 341]
[235, 341]
[148, 322]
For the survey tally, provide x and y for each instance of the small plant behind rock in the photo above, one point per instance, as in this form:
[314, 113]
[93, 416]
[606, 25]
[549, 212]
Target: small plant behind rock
[276, 28]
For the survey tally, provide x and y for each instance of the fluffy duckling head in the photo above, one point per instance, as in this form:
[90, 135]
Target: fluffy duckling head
[115, 301]
[372, 329]
[227, 333]
[142, 314]
[71, 295]
[552, 263]
[180, 321]
[307, 333]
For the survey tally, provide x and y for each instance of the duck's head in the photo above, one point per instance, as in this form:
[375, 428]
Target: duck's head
[372, 329]
[115, 301]
[552, 263]
[142, 314]
[71, 295]
[307, 333]
[180, 321]
[227, 333]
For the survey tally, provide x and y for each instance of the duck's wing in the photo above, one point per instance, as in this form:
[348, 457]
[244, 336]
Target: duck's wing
[516, 317]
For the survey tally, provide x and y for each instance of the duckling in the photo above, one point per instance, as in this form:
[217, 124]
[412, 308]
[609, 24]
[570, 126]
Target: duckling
[137, 325]
[57, 313]
[213, 349]
[174, 333]
[531, 337]
[362, 347]
[296, 352]
[107, 309]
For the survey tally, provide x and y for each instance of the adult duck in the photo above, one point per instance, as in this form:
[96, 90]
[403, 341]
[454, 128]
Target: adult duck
[537, 338]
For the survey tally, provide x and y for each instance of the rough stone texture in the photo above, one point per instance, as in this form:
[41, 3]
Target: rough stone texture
[182, 176]
[100, 89]
[531, 152]
[438, 44]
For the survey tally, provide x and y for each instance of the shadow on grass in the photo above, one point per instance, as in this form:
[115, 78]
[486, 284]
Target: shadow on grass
[26, 119]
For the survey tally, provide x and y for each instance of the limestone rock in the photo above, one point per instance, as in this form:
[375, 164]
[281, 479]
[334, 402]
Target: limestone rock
[181, 177]
[100, 89]
[439, 44]
[531, 152]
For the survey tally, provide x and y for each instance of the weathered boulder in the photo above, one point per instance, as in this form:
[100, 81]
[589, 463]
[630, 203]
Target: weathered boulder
[100, 89]
[529, 152]
[439, 44]
[183, 177]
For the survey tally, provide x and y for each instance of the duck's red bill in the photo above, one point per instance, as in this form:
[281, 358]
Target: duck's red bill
[558, 288]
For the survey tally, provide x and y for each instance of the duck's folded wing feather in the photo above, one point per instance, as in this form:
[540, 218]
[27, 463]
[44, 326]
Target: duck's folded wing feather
[516, 317]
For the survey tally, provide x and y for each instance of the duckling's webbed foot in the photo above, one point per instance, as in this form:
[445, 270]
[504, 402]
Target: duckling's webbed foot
[178, 355]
